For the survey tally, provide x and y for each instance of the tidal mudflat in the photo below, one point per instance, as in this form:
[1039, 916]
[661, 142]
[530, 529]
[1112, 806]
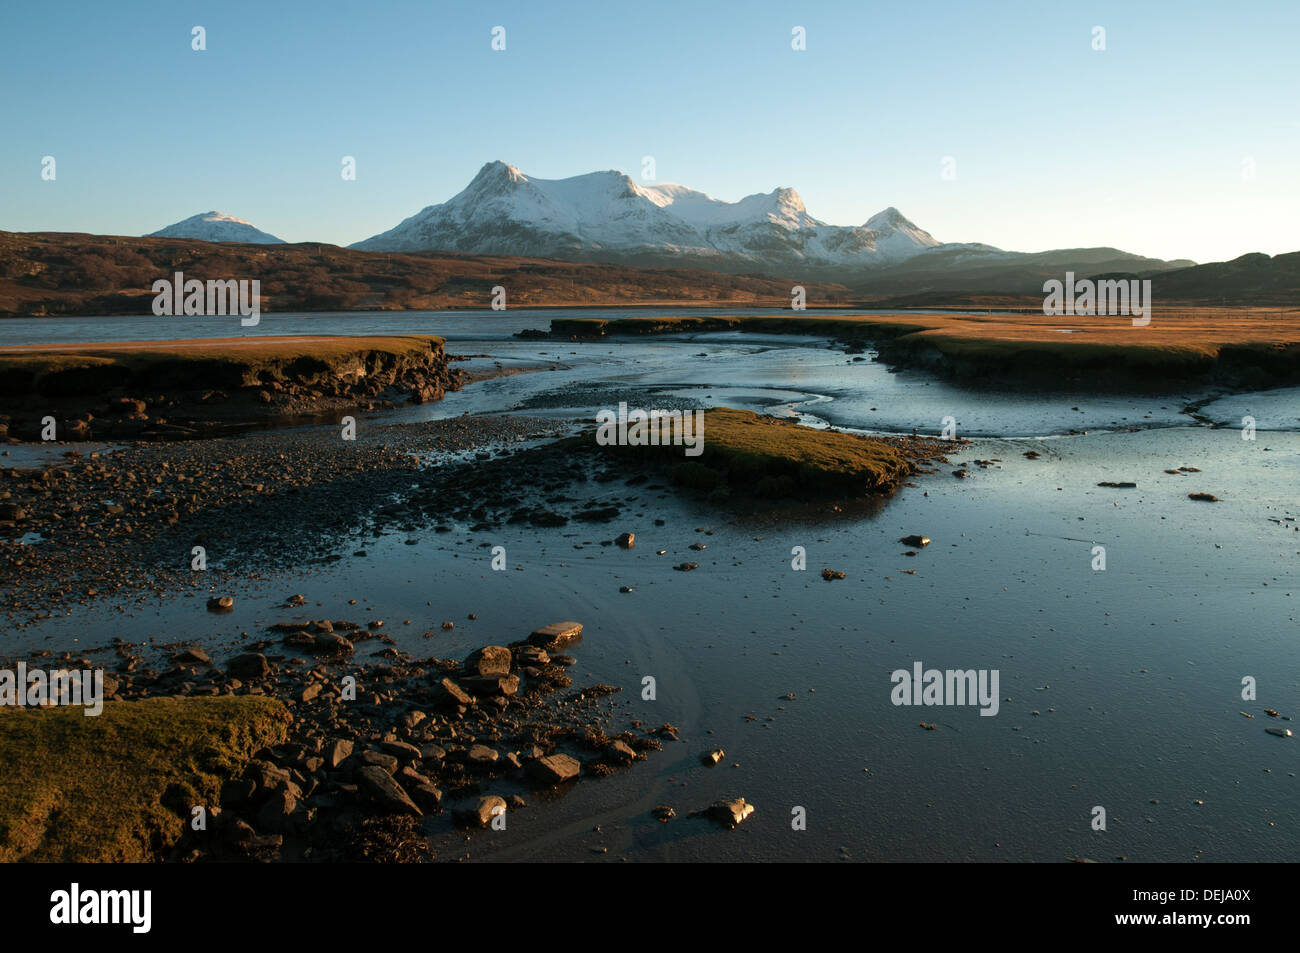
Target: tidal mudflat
[1120, 687]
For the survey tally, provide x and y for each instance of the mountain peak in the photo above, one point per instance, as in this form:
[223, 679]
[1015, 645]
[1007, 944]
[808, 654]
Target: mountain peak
[217, 226]
[498, 173]
[609, 215]
[887, 220]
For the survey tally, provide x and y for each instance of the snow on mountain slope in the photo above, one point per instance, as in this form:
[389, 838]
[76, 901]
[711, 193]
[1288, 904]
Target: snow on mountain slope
[216, 227]
[608, 215]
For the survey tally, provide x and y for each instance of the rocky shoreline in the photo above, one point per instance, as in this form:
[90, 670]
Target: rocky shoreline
[374, 751]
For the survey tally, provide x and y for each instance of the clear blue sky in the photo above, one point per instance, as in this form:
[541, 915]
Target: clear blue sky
[1056, 145]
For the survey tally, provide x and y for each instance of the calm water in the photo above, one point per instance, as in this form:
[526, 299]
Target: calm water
[1120, 688]
[454, 325]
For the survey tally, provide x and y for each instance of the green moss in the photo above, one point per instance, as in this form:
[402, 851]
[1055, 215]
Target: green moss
[751, 453]
[110, 788]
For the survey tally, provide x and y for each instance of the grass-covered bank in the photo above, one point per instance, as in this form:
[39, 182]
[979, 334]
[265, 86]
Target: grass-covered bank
[171, 387]
[1234, 347]
[120, 786]
[80, 369]
[745, 453]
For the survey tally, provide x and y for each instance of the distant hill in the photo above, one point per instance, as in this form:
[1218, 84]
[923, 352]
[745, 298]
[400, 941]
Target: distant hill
[1250, 279]
[978, 270]
[217, 227]
[67, 273]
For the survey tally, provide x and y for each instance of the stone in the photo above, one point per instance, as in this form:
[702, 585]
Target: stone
[237, 791]
[194, 657]
[401, 750]
[276, 815]
[331, 643]
[712, 757]
[373, 759]
[426, 795]
[731, 811]
[386, 792]
[494, 685]
[269, 777]
[337, 752]
[454, 694]
[554, 769]
[310, 691]
[12, 511]
[620, 752]
[432, 752]
[920, 542]
[487, 661]
[481, 756]
[221, 604]
[557, 635]
[626, 540]
[532, 655]
[481, 813]
[249, 666]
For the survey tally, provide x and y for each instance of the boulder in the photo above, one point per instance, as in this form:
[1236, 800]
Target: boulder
[730, 811]
[554, 769]
[386, 792]
[454, 694]
[249, 666]
[487, 661]
[480, 814]
[276, 815]
[401, 750]
[493, 685]
[337, 752]
[557, 635]
[194, 657]
[371, 759]
[237, 791]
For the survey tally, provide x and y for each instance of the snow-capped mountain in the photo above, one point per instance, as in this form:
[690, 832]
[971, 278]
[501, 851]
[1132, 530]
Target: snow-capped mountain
[216, 227]
[609, 216]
